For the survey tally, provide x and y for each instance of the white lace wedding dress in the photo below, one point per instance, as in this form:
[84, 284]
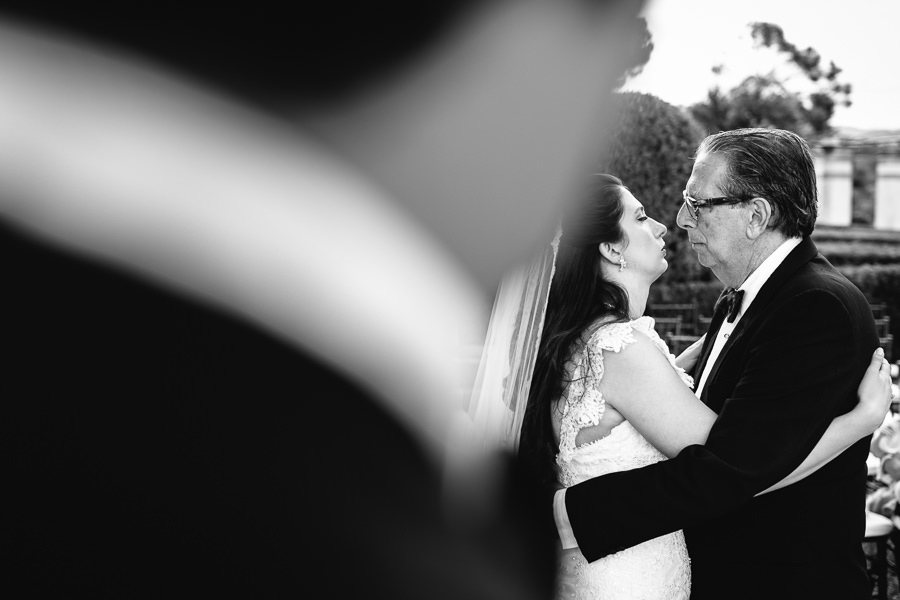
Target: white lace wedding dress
[658, 569]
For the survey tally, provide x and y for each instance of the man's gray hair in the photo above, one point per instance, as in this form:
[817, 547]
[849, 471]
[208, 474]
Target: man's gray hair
[774, 164]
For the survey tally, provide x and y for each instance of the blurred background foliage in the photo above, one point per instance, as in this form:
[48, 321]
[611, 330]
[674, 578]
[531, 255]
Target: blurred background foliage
[640, 51]
[799, 93]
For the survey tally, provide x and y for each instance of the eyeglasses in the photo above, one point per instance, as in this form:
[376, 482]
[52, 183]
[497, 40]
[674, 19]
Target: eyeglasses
[694, 204]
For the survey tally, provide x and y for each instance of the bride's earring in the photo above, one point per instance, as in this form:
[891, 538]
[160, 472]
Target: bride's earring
[622, 263]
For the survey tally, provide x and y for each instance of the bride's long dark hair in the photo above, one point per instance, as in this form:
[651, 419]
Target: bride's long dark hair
[579, 296]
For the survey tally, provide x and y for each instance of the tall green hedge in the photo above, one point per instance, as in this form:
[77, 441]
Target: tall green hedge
[870, 258]
[652, 145]
[881, 285]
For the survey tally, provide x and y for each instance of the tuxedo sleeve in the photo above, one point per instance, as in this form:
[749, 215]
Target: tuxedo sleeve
[801, 368]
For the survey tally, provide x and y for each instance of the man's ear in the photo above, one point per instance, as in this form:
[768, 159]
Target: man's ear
[761, 215]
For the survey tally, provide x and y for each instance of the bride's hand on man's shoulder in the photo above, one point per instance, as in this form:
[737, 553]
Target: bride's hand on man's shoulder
[688, 357]
[875, 391]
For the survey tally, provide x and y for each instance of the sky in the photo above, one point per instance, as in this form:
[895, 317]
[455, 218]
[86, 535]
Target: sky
[691, 36]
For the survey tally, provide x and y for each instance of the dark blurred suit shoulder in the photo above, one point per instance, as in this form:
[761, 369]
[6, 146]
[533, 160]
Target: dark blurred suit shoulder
[152, 446]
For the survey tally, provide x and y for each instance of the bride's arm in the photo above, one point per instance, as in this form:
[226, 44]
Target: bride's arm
[874, 402]
[671, 417]
[640, 383]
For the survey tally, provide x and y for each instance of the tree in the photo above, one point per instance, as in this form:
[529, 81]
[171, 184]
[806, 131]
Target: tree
[771, 99]
[639, 53]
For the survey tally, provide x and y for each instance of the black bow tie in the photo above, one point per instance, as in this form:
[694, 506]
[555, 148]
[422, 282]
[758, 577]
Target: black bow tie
[730, 301]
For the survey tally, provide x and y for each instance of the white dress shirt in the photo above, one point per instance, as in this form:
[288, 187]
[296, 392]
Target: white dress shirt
[751, 287]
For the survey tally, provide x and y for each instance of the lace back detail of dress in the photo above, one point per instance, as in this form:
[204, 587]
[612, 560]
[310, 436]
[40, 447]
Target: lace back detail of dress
[582, 403]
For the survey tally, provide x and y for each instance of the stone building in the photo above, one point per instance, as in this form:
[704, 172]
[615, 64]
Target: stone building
[859, 181]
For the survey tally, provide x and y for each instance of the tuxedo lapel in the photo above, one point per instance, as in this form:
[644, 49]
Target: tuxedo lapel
[714, 324]
[798, 257]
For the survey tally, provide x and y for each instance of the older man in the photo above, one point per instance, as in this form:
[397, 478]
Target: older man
[785, 351]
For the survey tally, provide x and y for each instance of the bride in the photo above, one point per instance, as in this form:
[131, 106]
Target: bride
[581, 421]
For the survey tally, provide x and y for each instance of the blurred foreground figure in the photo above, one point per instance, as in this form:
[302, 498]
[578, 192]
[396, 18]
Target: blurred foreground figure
[239, 251]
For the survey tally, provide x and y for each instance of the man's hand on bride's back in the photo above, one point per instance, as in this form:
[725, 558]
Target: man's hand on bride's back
[688, 357]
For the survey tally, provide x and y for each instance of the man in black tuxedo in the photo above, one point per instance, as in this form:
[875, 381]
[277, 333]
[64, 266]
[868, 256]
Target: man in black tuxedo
[785, 351]
[238, 243]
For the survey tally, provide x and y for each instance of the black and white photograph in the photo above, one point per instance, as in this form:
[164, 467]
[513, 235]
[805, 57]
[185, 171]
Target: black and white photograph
[511, 299]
